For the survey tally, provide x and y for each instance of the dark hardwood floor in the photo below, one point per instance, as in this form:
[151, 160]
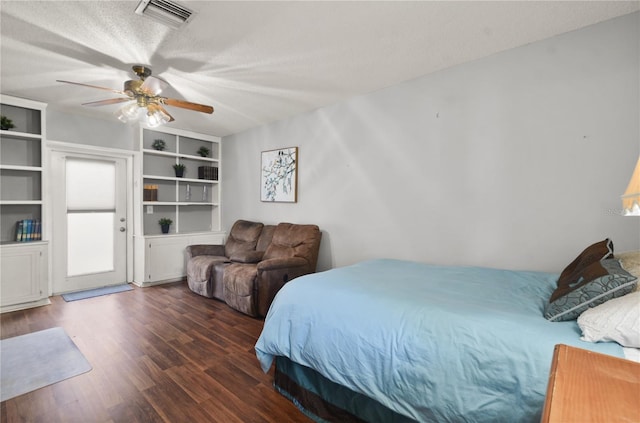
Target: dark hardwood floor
[159, 354]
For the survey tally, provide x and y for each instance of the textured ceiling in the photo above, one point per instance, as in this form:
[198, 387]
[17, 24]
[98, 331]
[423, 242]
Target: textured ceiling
[257, 62]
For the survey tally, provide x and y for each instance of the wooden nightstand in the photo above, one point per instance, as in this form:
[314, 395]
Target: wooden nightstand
[585, 386]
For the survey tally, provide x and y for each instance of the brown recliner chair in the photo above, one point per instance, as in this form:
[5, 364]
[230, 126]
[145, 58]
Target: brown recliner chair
[206, 263]
[293, 251]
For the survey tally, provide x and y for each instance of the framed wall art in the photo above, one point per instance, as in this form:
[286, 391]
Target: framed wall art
[279, 175]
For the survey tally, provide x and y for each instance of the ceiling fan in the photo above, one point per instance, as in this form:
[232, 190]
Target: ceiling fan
[143, 93]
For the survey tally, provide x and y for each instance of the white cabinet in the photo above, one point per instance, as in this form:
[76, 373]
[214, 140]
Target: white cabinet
[163, 258]
[24, 264]
[23, 276]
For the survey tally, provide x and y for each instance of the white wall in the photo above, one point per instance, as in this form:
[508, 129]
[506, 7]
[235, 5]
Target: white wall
[84, 129]
[517, 160]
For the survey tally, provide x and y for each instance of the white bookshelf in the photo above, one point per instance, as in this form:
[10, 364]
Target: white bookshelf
[191, 202]
[24, 265]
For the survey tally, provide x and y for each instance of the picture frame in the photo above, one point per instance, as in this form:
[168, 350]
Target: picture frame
[279, 175]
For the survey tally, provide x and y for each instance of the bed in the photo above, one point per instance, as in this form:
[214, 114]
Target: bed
[392, 341]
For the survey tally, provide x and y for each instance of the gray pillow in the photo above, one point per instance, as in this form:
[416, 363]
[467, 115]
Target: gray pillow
[597, 283]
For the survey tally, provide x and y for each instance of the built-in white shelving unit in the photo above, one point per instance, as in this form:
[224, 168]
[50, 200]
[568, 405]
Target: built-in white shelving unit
[24, 265]
[191, 201]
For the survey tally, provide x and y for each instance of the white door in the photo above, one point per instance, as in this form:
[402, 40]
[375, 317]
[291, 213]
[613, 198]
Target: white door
[89, 221]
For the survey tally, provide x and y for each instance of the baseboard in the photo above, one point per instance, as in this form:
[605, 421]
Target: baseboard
[153, 283]
[23, 306]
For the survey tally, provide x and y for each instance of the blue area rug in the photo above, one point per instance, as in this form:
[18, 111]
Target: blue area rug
[114, 289]
[33, 361]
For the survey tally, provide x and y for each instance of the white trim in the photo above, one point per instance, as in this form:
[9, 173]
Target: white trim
[69, 147]
[10, 100]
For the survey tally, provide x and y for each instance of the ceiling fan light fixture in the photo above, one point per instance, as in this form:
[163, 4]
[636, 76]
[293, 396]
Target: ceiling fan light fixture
[131, 110]
[169, 13]
[153, 121]
[128, 112]
[156, 116]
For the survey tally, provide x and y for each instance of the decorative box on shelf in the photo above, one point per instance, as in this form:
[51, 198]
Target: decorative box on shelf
[150, 192]
[208, 172]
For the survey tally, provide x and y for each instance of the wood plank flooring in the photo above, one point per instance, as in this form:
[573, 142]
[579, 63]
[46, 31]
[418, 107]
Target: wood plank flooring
[159, 354]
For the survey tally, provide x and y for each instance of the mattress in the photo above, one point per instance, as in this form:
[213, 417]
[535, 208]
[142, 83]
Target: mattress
[431, 343]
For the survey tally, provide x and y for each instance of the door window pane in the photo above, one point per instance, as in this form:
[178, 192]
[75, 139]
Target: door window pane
[90, 240]
[90, 184]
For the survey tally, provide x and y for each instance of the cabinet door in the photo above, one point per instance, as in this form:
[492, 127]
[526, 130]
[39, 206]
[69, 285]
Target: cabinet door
[165, 257]
[22, 274]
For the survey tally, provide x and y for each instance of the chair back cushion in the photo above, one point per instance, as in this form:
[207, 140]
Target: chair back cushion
[242, 237]
[291, 240]
[265, 237]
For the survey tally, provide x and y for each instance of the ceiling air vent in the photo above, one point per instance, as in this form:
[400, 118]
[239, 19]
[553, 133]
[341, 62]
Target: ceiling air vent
[166, 12]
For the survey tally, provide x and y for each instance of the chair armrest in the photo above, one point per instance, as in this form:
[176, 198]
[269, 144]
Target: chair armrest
[247, 256]
[273, 274]
[281, 263]
[205, 250]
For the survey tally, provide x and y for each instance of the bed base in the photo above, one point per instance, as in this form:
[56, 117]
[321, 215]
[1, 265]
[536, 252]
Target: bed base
[325, 401]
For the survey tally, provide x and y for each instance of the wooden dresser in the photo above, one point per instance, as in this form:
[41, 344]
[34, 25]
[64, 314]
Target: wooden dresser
[585, 386]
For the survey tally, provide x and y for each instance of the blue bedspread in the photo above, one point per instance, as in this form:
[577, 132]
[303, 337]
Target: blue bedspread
[433, 343]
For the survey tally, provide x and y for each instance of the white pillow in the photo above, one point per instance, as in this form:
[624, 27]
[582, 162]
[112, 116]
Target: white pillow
[615, 320]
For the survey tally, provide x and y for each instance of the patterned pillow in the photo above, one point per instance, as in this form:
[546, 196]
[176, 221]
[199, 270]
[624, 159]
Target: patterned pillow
[570, 275]
[597, 283]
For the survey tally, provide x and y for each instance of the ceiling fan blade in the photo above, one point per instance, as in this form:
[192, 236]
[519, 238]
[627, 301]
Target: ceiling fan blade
[107, 102]
[186, 105]
[93, 86]
[153, 86]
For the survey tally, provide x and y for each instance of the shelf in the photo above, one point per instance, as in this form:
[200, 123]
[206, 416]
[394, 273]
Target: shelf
[22, 135]
[173, 178]
[185, 234]
[25, 243]
[185, 156]
[183, 203]
[23, 168]
[20, 202]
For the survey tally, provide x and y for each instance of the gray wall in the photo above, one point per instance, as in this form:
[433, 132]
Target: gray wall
[85, 129]
[516, 161]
